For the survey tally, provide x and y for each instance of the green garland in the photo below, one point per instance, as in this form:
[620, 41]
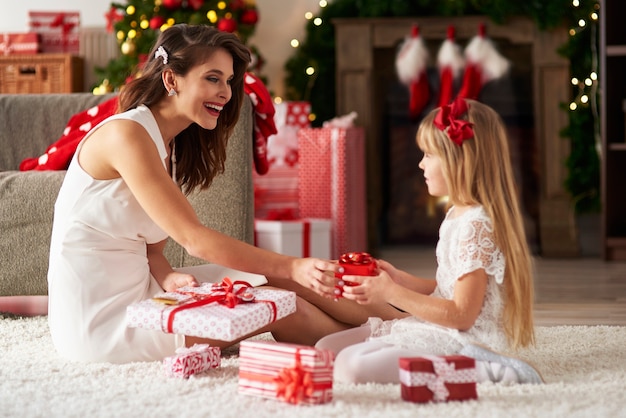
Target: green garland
[318, 51]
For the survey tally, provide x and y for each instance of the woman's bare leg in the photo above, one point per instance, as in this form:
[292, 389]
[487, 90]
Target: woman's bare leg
[305, 326]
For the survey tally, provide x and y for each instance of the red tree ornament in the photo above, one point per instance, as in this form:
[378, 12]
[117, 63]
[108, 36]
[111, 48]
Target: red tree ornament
[172, 4]
[227, 25]
[196, 4]
[156, 22]
[249, 17]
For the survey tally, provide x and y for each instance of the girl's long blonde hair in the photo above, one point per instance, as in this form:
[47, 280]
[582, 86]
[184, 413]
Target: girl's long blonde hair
[479, 172]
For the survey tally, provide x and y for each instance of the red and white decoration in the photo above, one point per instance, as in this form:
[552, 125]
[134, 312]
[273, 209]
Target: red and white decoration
[483, 64]
[450, 62]
[291, 373]
[59, 31]
[332, 184]
[19, 43]
[276, 192]
[411, 67]
[196, 359]
[264, 125]
[437, 379]
[224, 311]
[298, 238]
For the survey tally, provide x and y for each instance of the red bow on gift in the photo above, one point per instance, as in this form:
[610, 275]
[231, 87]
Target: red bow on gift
[224, 293]
[294, 383]
[458, 130]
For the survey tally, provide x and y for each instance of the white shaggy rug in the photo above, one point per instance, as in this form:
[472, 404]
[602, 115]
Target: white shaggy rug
[584, 367]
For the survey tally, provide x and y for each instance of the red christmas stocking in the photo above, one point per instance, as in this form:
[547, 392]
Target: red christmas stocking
[264, 125]
[484, 63]
[450, 62]
[411, 68]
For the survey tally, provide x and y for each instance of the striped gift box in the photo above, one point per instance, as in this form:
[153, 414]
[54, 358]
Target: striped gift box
[291, 373]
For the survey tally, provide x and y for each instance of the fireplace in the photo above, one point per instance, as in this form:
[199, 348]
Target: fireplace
[399, 208]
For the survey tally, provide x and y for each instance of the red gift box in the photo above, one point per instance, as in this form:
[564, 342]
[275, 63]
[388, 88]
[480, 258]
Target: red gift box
[225, 311]
[19, 43]
[58, 31]
[292, 373]
[298, 237]
[196, 359]
[332, 183]
[356, 264]
[437, 379]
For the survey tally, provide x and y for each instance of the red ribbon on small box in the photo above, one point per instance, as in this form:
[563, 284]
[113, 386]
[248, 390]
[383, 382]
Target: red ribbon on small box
[356, 264]
[188, 361]
[224, 293]
[438, 379]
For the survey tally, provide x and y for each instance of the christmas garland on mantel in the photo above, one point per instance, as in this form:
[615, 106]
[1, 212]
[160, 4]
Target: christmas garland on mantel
[318, 51]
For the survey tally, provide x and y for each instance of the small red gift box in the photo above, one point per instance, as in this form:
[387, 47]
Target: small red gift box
[292, 373]
[356, 264]
[299, 238]
[19, 43]
[196, 359]
[59, 31]
[437, 379]
[331, 185]
[225, 311]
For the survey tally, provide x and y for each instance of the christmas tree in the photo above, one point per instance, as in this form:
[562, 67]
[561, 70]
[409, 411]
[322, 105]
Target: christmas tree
[137, 24]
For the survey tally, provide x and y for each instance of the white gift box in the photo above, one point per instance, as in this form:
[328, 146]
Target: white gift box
[180, 313]
[298, 238]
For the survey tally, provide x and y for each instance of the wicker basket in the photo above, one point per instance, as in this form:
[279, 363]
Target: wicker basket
[41, 73]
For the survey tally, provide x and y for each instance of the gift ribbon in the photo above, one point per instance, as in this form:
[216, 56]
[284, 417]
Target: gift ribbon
[293, 384]
[436, 382]
[224, 294]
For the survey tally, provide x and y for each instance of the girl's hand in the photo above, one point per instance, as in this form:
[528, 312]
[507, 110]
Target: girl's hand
[174, 280]
[389, 269]
[316, 274]
[370, 289]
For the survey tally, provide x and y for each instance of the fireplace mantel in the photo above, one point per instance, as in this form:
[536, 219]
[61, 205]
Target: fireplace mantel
[356, 41]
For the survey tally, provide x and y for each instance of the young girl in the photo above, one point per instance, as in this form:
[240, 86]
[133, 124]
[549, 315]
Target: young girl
[483, 292]
[123, 195]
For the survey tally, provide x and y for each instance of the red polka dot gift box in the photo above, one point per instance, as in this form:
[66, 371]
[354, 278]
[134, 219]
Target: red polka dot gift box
[332, 184]
[291, 373]
[222, 311]
[437, 378]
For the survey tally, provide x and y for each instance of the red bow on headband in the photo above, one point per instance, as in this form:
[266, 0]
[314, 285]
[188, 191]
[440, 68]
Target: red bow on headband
[449, 117]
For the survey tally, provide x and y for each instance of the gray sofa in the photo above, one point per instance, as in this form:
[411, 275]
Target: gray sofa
[29, 124]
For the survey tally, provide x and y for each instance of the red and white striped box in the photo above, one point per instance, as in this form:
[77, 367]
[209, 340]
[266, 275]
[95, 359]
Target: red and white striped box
[332, 184]
[19, 43]
[437, 378]
[196, 359]
[299, 238]
[59, 31]
[292, 373]
[204, 312]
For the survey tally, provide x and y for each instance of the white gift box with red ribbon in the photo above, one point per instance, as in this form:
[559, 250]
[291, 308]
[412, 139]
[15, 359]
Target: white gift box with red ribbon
[291, 373]
[299, 238]
[209, 311]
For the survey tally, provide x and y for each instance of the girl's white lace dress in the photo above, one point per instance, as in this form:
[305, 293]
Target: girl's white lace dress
[466, 243]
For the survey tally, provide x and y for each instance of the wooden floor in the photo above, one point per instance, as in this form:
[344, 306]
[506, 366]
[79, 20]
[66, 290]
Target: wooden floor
[579, 291]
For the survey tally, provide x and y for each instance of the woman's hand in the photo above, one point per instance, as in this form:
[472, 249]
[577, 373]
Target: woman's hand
[174, 280]
[316, 274]
[369, 289]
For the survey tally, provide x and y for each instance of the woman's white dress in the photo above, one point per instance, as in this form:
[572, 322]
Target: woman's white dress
[99, 266]
[466, 243]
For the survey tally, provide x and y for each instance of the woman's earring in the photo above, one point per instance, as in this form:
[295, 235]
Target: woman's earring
[172, 92]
